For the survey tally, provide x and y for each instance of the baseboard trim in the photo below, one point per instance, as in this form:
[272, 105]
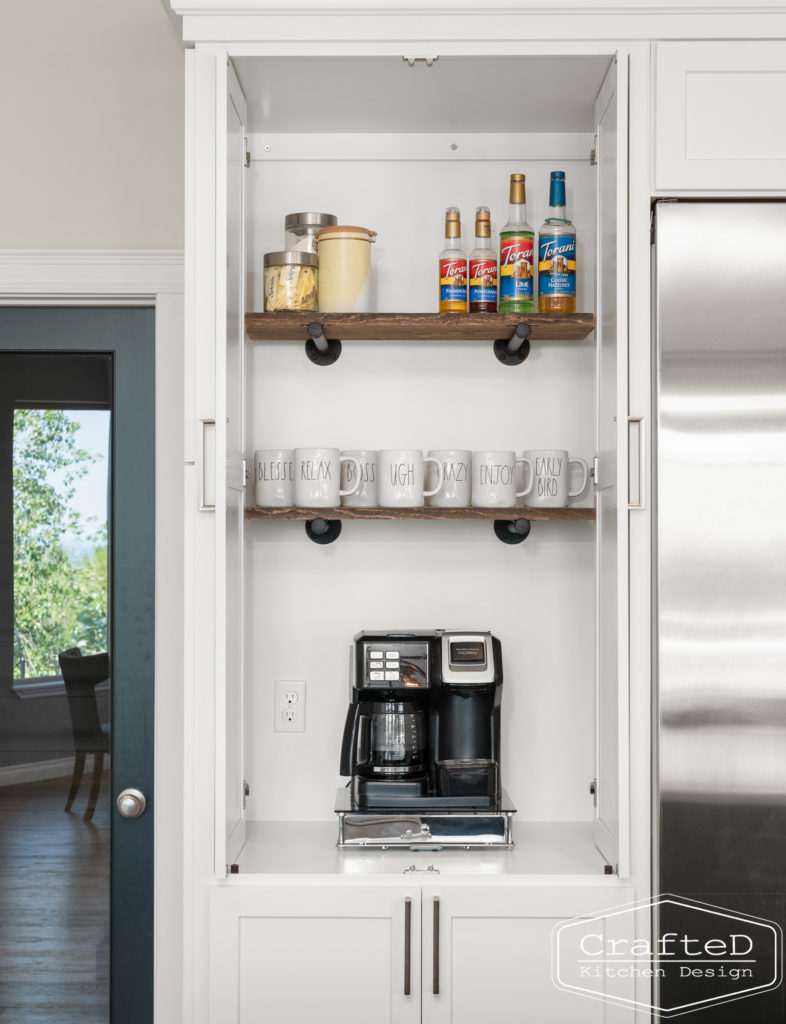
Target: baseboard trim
[37, 771]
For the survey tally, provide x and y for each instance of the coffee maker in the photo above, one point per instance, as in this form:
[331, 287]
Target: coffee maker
[421, 742]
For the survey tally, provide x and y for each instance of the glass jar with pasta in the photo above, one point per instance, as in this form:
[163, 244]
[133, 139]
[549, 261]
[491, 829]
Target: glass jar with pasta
[290, 280]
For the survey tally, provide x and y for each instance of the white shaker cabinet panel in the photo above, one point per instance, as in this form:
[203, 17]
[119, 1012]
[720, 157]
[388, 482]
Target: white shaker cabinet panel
[334, 954]
[492, 958]
[719, 116]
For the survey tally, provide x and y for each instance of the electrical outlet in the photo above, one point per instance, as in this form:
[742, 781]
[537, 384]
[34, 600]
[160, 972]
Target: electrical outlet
[289, 708]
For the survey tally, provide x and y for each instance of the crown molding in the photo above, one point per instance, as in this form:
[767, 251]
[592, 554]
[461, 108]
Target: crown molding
[82, 275]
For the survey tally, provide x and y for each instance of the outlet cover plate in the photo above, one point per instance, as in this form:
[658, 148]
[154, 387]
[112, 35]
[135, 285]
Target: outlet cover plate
[289, 708]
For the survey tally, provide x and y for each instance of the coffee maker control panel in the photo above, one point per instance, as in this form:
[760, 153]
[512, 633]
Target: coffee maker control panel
[389, 663]
[467, 659]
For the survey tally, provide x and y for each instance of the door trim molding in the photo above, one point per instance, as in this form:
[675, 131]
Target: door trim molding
[82, 276]
[65, 277]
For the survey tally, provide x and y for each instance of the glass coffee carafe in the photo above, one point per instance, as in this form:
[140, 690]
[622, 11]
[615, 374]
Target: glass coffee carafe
[393, 739]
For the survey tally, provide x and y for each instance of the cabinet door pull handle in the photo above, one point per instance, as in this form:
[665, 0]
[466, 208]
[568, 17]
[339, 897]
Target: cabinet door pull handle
[637, 449]
[206, 447]
[407, 942]
[435, 986]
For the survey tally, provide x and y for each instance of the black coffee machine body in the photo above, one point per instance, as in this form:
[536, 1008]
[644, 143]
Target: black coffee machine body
[423, 726]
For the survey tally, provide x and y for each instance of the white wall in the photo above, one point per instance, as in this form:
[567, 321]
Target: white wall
[92, 114]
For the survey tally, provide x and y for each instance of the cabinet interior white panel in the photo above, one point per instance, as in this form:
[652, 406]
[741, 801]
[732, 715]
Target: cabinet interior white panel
[304, 603]
[355, 94]
[404, 201]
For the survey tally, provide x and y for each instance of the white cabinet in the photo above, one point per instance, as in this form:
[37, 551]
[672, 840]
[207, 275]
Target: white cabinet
[345, 954]
[348, 954]
[718, 116]
[383, 147]
[494, 955]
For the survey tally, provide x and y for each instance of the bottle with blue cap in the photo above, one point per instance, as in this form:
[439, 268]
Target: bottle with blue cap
[557, 254]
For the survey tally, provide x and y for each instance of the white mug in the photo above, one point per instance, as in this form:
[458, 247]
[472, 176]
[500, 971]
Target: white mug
[456, 489]
[400, 477]
[318, 477]
[366, 494]
[494, 479]
[274, 471]
[548, 470]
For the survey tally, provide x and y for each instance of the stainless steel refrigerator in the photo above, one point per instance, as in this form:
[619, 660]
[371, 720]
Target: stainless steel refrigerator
[720, 547]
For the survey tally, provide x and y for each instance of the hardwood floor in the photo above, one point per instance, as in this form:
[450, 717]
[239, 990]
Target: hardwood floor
[54, 905]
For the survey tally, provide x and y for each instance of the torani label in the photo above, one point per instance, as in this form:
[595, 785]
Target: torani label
[557, 265]
[483, 282]
[453, 286]
[515, 267]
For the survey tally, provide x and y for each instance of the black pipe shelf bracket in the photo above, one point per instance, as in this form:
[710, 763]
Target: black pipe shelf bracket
[512, 531]
[319, 349]
[323, 531]
[514, 350]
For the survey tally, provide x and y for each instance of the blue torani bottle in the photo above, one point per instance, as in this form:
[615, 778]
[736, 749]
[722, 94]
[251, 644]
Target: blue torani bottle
[557, 254]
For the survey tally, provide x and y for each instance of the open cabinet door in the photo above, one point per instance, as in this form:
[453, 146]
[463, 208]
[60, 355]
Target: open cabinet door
[611, 471]
[230, 343]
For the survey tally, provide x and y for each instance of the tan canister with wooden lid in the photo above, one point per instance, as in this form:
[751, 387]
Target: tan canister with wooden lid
[345, 269]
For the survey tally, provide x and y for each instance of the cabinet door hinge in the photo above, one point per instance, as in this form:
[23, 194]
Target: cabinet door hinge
[595, 471]
[594, 153]
[246, 793]
[244, 475]
[246, 150]
[594, 792]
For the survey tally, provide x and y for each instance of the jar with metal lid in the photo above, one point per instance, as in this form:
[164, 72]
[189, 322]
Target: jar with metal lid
[290, 280]
[302, 229]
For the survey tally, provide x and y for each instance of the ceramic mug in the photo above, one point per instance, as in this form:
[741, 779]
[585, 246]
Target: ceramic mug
[494, 479]
[401, 477]
[456, 489]
[274, 471]
[366, 494]
[547, 470]
[318, 477]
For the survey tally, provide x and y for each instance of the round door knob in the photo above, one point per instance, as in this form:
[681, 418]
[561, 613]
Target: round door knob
[131, 803]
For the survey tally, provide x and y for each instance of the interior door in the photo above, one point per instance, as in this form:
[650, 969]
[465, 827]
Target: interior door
[230, 501]
[40, 349]
[611, 471]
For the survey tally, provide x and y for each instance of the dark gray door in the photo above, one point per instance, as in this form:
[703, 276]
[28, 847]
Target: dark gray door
[44, 354]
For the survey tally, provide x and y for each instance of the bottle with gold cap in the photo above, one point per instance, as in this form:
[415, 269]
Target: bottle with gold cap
[452, 267]
[516, 253]
[482, 267]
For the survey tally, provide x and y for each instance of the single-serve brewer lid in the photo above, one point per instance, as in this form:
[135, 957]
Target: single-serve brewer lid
[291, 257]
[293, 221]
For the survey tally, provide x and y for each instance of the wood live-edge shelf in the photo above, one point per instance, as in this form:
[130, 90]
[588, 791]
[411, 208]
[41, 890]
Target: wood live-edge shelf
[293, 326]
[346, 512]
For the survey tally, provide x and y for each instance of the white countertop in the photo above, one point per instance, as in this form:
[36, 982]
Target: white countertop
[301, 848]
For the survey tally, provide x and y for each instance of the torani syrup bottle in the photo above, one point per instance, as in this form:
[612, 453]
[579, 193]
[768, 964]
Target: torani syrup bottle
[452, 267]
[557, 254]
[482, 267]
[516, 254]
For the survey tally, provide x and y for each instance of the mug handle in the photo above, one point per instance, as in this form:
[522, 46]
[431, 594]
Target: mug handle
[440, 475]
[584, 476]
[350, 458]
[528, 488]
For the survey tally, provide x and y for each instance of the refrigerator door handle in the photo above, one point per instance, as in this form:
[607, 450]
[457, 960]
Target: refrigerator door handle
[637, 448]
